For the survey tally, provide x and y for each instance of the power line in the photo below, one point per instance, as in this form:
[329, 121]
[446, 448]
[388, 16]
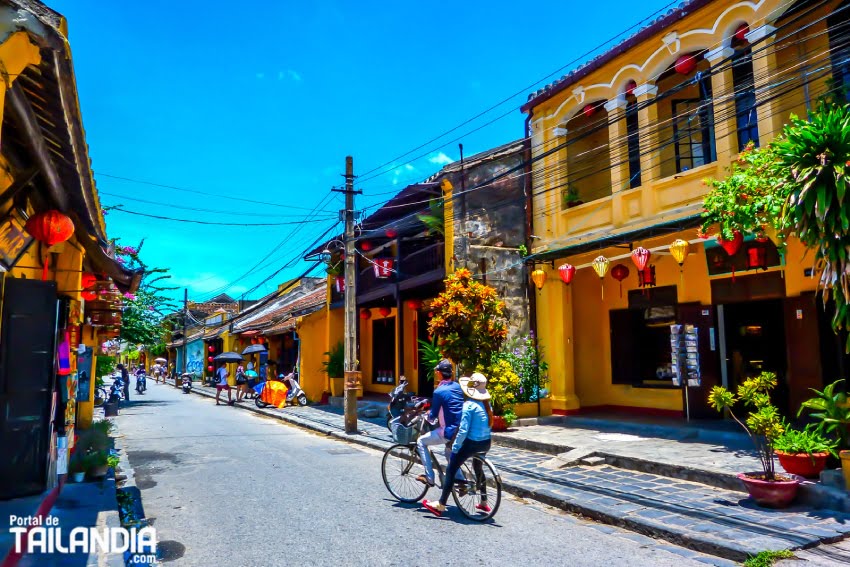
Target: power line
[193, 221]
[196, 209]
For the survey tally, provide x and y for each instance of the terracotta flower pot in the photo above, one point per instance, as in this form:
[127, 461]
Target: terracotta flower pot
[776, 494]
[499, 423]
[803, 464]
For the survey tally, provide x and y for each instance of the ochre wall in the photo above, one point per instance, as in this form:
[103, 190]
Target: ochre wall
[313, 333]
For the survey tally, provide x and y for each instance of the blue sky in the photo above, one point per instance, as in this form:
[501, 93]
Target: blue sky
[264, 100]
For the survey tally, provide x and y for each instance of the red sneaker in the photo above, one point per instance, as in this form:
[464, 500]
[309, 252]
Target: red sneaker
[436, 509]
[483, 507]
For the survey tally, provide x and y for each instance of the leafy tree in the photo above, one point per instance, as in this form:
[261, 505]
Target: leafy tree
[469, 321]
[434, 221]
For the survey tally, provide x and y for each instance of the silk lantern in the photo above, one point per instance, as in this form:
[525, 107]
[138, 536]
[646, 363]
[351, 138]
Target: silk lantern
[600, 266]
[414, 304]
[731, 246]
[391, 233]
[365, 314]
[50, 228]
[210, 359]
[619, 273]
[365, 246]
[646, 277]
[741, 32]
[211, 348]
[567, 272]
[640, 257]
[588, 110]
[385, 311]
[757, 254]
[87, 280]
[210, 368]
[630, 88]
[686, 64]
[680, 249]
[89, 295]
[538, 276]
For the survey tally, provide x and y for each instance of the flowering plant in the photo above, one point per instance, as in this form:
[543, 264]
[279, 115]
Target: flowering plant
[526, 359]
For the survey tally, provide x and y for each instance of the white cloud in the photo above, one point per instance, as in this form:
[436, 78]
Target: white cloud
[440, 159]
[403, 174]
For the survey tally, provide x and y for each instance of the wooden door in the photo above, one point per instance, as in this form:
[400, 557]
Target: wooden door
[703, 318]
[802, 340]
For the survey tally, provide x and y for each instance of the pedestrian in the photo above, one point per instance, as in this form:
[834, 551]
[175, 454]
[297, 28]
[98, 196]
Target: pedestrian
[222, 384]
[241, 383]
[473, 437]
[125, 378]
[157, 371]
[446, 409]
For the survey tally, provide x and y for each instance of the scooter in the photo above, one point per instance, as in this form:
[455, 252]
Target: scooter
[402, 401]
[116, 391]
[295, 392]
[186, 383]
[141, 383]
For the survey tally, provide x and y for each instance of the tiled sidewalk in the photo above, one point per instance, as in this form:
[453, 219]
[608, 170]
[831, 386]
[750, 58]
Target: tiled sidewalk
[707, 519]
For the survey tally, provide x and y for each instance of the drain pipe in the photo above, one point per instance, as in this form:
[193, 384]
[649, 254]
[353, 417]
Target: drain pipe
[529, 223]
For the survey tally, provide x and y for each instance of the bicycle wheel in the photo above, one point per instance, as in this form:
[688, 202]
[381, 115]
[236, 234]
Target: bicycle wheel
[399, 469]
[478, 498]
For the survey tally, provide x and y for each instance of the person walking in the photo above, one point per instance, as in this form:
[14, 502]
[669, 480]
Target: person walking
[125, 378]
[241, 383]
[221, 384]
[473, 437]
[446, 408]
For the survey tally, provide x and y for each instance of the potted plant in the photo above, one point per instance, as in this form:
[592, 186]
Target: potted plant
[77, 468]
[334, 367]
[97, 464]
[112, 461]
[829, 408]
[569, 197]
[803, 453]
[764, 425]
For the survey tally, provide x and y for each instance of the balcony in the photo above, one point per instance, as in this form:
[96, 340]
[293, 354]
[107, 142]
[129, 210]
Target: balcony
[421, 262]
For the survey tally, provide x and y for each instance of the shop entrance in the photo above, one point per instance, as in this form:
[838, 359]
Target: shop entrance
[754, 339]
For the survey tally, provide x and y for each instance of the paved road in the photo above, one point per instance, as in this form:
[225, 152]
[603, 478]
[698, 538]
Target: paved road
[230, 488]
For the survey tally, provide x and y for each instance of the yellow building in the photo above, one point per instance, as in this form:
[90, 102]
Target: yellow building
[620, 149]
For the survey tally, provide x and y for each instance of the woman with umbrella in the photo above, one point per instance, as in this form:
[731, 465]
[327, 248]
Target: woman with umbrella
[246, 388]
[159, 369]
[221, 375]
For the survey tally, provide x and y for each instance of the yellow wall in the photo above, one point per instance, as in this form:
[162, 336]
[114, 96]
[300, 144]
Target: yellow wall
[313, 333]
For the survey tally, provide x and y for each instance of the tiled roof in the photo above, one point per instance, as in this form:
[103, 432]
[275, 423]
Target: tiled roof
[284, 307]
[653, 27]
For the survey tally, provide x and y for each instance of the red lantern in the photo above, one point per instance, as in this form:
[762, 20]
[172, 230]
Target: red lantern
[640, 256]
[567, 272]
[630, 88]
[619, 273]
[339, 283]
[87, 280]
[365, 246]
[383, 267]
[741, 32]
[391, 233]
[646, 277]
[757, 254]
[210, 368]
[89, 295]
[686, 64]
[50, 228]
[211, 348]
[588, 110]
[210, 359]
[385, 311]
[253, 341]
[365, 314]
[732, 246]
[414, 304]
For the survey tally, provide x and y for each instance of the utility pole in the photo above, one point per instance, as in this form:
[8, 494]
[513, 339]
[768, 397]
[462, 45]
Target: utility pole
[352, 375]
[185, 318]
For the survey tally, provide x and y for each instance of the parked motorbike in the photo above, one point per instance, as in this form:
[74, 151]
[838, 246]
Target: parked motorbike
[403, 402]
[294, 392]
[141, 383]
[186, 383]
[116, 391]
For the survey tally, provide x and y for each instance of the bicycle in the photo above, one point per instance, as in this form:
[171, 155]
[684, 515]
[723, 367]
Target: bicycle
[401, 465]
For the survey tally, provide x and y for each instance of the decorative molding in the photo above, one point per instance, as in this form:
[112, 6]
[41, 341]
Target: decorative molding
[672, 42]
[646, 89]
[560, 131]
[719, 54]
[760, 33]
[618, 102]
[578, 92]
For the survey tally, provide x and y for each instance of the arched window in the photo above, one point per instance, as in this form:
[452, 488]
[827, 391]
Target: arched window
[743, 81]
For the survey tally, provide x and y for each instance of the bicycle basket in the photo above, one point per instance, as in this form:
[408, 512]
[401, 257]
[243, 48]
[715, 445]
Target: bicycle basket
[402, 433]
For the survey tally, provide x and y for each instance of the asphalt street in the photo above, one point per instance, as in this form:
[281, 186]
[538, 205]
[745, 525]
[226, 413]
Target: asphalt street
[228, 487]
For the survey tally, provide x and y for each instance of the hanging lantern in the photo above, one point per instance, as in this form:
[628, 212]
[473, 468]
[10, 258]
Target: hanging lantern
[646, 277]
[210, 359]
[339, 284]
[686, 64]
[680, 250]
[630, 88]
[254, 341]
[741, 32]
[87, 280]
[385, 311]
[640, 256]
[365, 314]
[383, 267]
[50, 228]
[567, 272]
[600, 266]
[588, 110]
[365, 246]
[414, 304]
[538, 276]
[211, 348]
[731, 246]
[210, 368]
[391, 233]
[619, 273]
[757, 254]
[89, 295]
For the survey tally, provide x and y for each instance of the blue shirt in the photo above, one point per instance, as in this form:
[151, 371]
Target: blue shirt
[474, 424]
[449, 398]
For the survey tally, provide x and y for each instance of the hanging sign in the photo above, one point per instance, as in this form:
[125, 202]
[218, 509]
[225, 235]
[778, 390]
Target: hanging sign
[383, 267]
[14, 240]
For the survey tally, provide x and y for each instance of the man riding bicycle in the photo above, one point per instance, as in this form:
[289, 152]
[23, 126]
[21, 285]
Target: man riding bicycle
[446, 408]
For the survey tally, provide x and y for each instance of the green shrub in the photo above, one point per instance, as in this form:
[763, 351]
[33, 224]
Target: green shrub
[334, 366]
[806, 441]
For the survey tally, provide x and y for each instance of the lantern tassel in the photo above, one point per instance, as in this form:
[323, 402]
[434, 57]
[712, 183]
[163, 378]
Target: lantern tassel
[45, 268]
[621, 290]
[602, 286]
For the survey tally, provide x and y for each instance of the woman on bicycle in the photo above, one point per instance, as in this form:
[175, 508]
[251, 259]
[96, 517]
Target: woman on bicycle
[473, 437]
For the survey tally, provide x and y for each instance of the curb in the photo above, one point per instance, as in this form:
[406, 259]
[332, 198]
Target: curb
[728, 550]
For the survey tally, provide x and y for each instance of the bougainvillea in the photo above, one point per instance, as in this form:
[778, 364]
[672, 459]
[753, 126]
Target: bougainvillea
[469, 321]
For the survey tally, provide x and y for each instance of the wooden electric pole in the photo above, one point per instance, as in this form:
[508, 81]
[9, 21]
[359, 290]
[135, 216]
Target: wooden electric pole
[352, 375]
[185, 318]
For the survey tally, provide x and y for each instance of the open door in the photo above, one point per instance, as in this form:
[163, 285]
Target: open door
[702, 317]
[27, 385]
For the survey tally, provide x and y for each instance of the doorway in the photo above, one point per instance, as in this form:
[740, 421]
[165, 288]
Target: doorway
[754, 333]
